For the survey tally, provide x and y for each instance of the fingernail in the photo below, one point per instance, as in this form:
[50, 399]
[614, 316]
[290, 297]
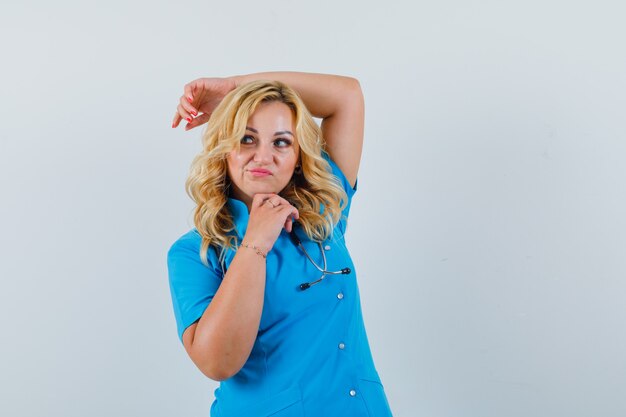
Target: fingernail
[188, 119]
[194, 113]
[190, 99]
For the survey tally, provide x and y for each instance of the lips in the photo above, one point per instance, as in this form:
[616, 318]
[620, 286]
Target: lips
[260, 171]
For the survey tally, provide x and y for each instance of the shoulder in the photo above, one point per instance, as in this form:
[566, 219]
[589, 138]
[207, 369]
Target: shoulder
[190, 238]
[187, 247]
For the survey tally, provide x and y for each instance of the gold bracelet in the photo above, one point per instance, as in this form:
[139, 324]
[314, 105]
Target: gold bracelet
[258, 251]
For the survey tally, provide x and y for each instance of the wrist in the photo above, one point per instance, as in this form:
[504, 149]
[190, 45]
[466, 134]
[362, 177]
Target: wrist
[237, 80]
[260, 250]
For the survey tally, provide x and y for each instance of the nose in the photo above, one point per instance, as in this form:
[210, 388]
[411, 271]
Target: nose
[263, 153]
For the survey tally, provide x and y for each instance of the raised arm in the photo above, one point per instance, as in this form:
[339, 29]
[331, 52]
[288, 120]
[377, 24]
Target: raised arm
[337, 100]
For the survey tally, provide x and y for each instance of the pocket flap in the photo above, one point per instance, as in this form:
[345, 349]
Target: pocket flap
[274, 403]
[370, 375]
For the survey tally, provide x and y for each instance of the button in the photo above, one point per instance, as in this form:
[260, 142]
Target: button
[352, 393]
[341, 345]
[340, 295]
[327, 247]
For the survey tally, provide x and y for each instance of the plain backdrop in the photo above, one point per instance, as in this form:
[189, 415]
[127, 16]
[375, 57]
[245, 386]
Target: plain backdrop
[488, 228]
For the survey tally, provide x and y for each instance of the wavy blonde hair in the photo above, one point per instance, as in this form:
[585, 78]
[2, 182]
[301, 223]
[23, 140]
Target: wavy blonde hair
[208, 183]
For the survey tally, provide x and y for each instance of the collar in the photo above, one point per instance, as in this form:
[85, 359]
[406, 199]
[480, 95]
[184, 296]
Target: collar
[239, 211]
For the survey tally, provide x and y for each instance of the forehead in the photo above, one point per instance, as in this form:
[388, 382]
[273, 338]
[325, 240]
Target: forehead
[271, 115]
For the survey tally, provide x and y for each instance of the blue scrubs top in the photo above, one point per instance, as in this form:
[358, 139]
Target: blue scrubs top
[311, 356]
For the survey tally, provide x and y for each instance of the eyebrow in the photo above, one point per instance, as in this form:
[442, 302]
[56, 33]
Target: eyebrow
[280, 132]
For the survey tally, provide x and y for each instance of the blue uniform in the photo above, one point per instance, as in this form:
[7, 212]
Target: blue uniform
[311, 356]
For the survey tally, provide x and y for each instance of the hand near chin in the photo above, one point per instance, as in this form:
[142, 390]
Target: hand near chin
[269, 214]
[199, 99]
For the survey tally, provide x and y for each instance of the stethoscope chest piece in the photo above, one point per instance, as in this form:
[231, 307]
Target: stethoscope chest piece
[324, 271]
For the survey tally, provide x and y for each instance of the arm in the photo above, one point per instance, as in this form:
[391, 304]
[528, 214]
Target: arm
[339, 102]
[221, 341]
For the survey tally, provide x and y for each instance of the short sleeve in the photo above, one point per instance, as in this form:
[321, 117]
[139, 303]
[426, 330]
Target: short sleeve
[192, 284]
[350, 191]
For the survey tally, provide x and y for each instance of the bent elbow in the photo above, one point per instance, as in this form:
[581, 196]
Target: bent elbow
[217, 373]
[355, 90]
[354, 84]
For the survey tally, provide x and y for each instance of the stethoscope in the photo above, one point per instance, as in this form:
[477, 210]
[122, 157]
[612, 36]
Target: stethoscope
[305, 285]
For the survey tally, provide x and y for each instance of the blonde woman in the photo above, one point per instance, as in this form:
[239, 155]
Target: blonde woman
[264, 291]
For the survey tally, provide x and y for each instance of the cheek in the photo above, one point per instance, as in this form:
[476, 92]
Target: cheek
[235, 162]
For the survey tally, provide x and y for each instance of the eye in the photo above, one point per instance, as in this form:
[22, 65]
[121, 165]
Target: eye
[245, 139]
[285, 142]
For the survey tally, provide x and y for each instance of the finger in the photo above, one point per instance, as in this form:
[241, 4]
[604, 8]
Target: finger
[176, 120]
[295, 214]
[189, 90]
[259, 198]
[288, 210]
[295, 211]
[200, 120]
[184, 114]
[283, 200]
[187, 106]
[288, 225]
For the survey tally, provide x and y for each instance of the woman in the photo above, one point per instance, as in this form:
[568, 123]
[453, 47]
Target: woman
[256, 306]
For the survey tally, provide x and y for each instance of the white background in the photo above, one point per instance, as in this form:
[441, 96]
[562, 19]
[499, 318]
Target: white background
[488, 229]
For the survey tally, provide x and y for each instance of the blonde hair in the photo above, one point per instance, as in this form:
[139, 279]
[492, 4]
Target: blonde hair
[208, 182]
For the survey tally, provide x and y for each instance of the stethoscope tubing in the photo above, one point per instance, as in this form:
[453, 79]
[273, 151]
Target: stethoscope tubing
[324, 271]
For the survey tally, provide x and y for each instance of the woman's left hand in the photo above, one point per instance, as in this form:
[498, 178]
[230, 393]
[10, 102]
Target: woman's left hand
[200, 98]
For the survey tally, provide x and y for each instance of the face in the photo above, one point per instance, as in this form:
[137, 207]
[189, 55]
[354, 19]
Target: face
[268, 154]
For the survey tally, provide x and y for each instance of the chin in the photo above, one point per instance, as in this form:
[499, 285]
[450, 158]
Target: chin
[265, 190]
[261, 190]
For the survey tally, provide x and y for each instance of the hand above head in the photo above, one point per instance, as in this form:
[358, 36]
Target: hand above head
[199, 99]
